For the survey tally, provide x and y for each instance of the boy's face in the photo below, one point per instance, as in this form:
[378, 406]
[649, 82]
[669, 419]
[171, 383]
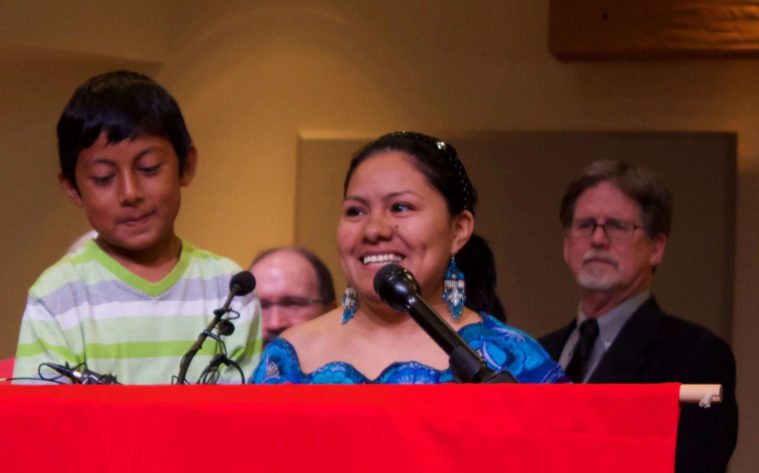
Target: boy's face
[130, 190]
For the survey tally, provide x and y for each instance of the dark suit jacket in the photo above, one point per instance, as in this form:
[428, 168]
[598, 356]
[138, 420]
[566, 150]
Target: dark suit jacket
[654, 347]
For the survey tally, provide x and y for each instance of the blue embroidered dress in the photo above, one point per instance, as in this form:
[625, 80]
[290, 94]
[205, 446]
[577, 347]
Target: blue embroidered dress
[502, 347]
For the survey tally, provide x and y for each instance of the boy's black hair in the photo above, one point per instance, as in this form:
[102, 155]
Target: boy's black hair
[123, 104]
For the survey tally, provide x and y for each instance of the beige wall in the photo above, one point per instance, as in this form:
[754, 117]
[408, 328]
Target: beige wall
[38, 223]
[253, 76]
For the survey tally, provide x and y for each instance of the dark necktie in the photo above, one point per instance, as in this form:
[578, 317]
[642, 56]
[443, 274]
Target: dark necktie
[578, 365]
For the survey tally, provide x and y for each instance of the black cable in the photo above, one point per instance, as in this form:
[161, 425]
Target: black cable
[54, 378]
[209, 376]
[235, 365]
[212, 373]
[25, 378]
[78, 374]
[215, 324]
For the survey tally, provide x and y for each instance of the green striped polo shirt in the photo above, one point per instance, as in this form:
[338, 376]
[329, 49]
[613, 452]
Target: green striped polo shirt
[88, 308]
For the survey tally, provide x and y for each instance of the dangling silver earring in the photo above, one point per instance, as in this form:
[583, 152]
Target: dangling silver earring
[349, 303]
[454, 290]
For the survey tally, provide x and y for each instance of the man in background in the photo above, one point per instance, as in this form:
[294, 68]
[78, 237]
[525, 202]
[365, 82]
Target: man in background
[616, 221]
[293, 285]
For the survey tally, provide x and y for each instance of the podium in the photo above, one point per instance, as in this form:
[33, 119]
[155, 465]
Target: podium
[367, 428]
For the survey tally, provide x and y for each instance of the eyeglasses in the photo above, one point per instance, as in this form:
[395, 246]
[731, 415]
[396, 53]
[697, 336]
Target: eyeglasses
[290, 302]
[614, 229]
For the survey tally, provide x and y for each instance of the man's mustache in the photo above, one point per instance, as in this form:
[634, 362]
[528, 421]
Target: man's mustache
[599, 256]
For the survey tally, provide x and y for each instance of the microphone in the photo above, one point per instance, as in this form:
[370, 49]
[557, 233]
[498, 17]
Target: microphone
[240, 284]
[397, 287]
[85, 376]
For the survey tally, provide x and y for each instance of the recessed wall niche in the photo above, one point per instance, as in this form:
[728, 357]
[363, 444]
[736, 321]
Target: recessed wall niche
[521, 177]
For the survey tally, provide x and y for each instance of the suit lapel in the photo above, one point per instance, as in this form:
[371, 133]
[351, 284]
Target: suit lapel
[554, 342]
[624, 359]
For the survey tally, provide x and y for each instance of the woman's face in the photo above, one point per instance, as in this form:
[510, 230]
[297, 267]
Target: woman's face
[391, 214]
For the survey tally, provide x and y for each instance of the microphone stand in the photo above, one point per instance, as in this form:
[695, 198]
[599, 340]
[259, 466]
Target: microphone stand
[467, 366]
[398, 288]
[184, 364]
[240, 284]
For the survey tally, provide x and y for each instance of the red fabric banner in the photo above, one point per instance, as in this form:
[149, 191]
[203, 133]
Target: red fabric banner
[441, 428]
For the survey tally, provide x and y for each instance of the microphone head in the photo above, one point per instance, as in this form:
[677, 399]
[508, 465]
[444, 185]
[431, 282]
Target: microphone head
[396, 286]
[242, 283]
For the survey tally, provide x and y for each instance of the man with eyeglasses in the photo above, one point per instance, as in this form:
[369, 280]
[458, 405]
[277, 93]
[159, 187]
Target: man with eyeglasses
[616, 220]
[293, 286]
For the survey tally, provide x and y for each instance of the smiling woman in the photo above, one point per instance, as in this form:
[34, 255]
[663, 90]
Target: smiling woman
[392, 214]
[407, 200]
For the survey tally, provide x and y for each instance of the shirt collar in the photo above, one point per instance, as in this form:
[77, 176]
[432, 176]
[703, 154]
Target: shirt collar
[611, 323]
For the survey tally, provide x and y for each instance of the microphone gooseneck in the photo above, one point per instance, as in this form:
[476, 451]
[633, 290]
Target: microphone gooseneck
[397, 287]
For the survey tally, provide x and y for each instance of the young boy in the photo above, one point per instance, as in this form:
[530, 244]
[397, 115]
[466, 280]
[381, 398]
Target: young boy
[132, 301]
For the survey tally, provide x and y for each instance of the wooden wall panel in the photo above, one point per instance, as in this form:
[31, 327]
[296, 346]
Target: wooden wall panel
[643, 29]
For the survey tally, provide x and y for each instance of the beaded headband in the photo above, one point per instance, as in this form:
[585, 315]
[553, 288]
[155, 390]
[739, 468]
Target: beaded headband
[450, 154]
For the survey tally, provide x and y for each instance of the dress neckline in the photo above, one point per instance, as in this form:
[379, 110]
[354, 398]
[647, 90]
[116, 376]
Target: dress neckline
[395, 366]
